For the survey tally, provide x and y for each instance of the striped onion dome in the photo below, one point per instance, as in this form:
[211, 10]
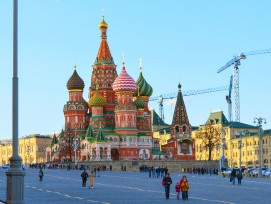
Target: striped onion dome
[97, 100]
[124, 82]
[139, 103]
[75, 81]
[144, 89]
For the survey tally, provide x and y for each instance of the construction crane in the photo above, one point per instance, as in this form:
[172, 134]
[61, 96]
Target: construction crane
[185, 93]
[228, 99]
[236, 62]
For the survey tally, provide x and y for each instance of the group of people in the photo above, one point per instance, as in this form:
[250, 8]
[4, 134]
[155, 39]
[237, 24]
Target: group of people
[85, 176]
[237, 175]
[181, 186]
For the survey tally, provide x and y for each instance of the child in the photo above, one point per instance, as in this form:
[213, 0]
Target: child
[178, 189]
[184, 188]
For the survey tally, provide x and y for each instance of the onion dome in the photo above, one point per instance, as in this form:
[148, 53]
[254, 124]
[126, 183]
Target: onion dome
[103, 24]
[97, 100]
[124, 82]
[144, 89]
[139, 103]
[75, 81]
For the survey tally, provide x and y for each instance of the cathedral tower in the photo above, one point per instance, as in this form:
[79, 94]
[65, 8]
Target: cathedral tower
[125, 111]
[75, 110]
[103, 74]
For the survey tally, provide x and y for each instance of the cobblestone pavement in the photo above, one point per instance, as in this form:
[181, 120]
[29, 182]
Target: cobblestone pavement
[62, 186]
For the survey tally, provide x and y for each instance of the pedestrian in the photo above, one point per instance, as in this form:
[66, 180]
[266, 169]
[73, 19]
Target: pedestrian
[233, 176]
[84, 176]
[91, 179]
[95, 169]
[167, 182]
[184, 187]
[239, 177]
[178, 189]
[41, 175]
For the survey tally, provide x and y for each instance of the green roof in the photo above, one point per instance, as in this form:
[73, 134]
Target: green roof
[217, 118]
[241, 125]
[157, 123]
[156, 152]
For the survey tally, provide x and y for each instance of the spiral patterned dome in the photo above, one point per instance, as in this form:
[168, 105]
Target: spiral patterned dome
[139, 103]
[97, 100]
[124, 82]
[144, 89]
[75, 81]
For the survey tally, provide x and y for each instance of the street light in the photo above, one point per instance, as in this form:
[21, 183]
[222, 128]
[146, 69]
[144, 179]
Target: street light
[259, 122]
[223, 131]
[240, 144]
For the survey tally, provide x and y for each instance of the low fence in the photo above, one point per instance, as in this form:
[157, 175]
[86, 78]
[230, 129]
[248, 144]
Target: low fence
[134, 165]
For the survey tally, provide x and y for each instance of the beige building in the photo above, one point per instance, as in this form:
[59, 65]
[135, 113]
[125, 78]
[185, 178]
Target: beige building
[31, 149]
[241, 143]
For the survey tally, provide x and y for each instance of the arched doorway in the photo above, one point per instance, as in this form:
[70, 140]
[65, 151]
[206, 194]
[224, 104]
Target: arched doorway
[115, 154]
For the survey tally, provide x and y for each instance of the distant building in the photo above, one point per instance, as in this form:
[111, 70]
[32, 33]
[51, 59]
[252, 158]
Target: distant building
[234, 132]
[31, 149]
[181, 145]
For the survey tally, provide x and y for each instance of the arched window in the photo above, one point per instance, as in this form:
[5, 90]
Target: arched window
[177, 129]
[184, 129]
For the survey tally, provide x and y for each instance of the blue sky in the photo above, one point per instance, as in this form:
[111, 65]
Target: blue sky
[179, 41]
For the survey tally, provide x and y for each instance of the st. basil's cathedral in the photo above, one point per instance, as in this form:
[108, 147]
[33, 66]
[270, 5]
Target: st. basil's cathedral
[115, 123]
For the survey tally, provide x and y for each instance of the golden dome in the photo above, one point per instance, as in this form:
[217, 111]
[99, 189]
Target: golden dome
[103, 24]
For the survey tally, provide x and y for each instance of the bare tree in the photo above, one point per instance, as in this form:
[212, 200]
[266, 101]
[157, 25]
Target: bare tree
[210, 137]
[66, 143]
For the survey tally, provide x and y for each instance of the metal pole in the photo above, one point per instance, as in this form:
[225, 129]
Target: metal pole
[15, 175]
[259, 123]
[75, 148]
[260, 152]
[240, 159]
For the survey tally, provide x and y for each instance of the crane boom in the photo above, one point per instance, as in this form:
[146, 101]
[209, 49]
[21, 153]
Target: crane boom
[189, 93]
[236, 62]
[185, 93]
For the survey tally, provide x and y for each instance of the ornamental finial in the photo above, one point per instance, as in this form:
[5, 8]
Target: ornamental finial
[74, 67]
[123, 59]
[140, 62]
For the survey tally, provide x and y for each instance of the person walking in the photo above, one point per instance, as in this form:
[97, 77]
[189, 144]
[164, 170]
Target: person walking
[184, 187]
[233, 176]
[178, 189]
[91, 179]
[84, 176]
[41, 175]
[167, 182]
[239, 177]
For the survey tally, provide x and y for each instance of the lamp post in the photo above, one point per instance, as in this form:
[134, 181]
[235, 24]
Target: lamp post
[240, 144]
[15, 175]
[223, 144]
[259, 122]
[75, 147]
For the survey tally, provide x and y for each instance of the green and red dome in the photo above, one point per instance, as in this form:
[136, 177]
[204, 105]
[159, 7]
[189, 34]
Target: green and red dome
[75, 81]
[139, 103]
[143, 88]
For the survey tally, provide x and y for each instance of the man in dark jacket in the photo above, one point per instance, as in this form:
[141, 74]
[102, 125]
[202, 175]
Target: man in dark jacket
[233, 176]
[84, 176]
[167, 182]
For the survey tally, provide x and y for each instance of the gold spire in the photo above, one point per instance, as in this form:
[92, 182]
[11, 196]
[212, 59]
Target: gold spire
[103, 24]
[74, 67]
